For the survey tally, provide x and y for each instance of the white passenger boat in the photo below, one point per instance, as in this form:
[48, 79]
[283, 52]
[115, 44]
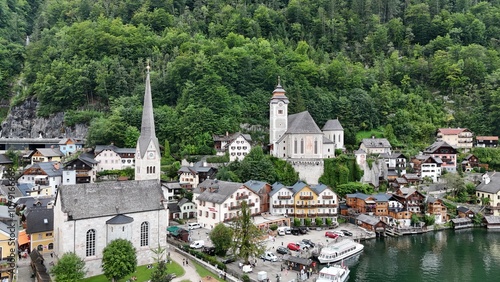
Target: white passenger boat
[340, 251]
[334, 273]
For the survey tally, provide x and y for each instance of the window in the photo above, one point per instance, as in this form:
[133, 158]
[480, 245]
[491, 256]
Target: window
[302, 146]
[48, 234]
[280, 112]
[295, 146]
[39, 248]
[51, 246]
[144, 234]
[90, 243]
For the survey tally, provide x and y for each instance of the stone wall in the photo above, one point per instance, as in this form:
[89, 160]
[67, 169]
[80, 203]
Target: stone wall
[310, 170]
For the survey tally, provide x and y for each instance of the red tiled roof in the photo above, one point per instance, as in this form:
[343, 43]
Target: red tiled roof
[487, 138]
[452, 131]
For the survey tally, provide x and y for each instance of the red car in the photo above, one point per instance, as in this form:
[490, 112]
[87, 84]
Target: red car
[331, 234]
[293, 247]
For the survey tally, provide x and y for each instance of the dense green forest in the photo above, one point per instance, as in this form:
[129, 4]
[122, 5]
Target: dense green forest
[407, 66]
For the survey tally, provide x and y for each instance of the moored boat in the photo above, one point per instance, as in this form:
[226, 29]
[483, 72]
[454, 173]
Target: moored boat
[333, 273]
[339, 251]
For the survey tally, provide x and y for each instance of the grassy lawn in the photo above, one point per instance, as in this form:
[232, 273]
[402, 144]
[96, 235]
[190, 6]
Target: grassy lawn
[142, 273]
[377, 132]
[203, 272]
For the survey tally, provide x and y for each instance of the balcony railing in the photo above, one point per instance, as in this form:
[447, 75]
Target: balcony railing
[234, 208]
[326, 206]
[41, 182]
[305, 206]
[241, 197]
[327, 197]
[289, 206]
[300, 215]
[284, 197]
[306, 197]
[278, 206]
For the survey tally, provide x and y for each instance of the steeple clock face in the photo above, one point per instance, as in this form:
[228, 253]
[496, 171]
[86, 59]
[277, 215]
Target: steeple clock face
[280, 104]
[151, 155]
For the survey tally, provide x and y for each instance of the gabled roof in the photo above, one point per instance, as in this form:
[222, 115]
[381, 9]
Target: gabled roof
[318, 188]
[222, 190]
[382, 197]
[182, 202]
[490, 183]
[86, 158]
[436, 145]
[376, 143]
[49, 152]
[92, 200]
[491, 138]
[174, 208]
[432, 200]
[198, 167]
[99, 148]
[333, 125]
[368, 219]
[277, 187]
[39, 220]
[358, 195]
[48, 168]
[327, 141]
[255, 185]
[463, 209]
[302, 123]
[64, 141]
[452, 131]
[4, 159]
[298, 186]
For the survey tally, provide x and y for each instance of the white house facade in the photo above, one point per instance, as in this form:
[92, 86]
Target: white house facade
[281, 200]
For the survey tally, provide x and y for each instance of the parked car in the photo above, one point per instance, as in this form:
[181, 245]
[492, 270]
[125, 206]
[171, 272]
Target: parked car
[283, 251]
[193, 225]
[293, 247]
[331, 234]
[269, 256]
[309, 242]
[197, 244]
[247, 268]
[346, 232]
[303, 246]
[228, 259]
[303, 230]
[339, 232]
[295, 231]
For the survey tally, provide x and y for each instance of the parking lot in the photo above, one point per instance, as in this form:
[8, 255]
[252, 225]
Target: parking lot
[272, 243]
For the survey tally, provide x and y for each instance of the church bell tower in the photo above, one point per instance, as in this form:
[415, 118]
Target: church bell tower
[147, 154]
[278, 117]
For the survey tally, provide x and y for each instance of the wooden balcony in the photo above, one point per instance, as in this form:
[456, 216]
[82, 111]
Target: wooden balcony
[241, 197]
[300, 215]
[284, 197]
[305, 206]
[289, 206]
[231, 208]
[326, 206]
[327, 197]
[306, 197]
[278, 206]
[41, 182]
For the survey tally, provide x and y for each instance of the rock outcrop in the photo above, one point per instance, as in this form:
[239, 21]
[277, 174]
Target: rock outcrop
[22, 121]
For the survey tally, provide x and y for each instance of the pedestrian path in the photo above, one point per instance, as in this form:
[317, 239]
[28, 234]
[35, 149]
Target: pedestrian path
[190, 271]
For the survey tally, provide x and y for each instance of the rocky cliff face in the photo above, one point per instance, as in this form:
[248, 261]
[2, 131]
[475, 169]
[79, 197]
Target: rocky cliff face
[23, 122]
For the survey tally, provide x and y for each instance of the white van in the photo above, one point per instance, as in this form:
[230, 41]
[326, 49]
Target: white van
[197, 244]
[193, 225]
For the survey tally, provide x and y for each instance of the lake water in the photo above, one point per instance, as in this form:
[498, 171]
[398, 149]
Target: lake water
[464, 255]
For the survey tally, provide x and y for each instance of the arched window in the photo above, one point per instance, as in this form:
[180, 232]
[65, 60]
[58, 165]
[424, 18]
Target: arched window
[315, 146]
[295, 146]
[144, 234]
[51, 246]
[90, 245]
[39, 248]
[302, 146]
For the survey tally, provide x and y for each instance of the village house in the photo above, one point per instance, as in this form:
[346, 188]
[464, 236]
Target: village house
[360, 203]
[375, 146]
[80, 170]
[469, 163]
[69, 146]
[487, 141]
[190, 175]
[40, 228]
[411, 199]
[281, 200]
[110, 157]
[459, 138]
[371, 223]
[488, 192]
[46, 155]
[464, 212]
[437, 208]
[219, 201]
[172, 191]
[427, 167]
[184, 209]
[44, 178]
[446, 152]
[262, 189]
[237, 145]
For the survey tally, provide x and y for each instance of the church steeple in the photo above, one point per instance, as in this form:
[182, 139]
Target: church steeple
[147, 156]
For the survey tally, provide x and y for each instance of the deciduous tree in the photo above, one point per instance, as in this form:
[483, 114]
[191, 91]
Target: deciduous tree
[118, 259]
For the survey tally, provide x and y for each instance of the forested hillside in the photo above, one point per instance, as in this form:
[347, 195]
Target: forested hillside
[409, 66]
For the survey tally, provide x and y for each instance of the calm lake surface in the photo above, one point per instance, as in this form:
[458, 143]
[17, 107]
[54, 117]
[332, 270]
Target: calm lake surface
[464, 255]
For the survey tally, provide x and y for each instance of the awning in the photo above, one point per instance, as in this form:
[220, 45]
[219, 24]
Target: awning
[174, 230]
[23, 238]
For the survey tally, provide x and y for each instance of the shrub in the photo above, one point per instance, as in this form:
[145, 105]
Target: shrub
[273, 227]
[245, 278]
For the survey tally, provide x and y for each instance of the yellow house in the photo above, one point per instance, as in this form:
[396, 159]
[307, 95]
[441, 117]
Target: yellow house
[40, 227]
[305, 200]
[46, 155]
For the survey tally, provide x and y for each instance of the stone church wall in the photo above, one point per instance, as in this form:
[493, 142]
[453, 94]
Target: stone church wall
[309, 170]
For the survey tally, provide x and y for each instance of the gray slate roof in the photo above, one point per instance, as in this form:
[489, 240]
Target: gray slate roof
[174, 208]
[224, 190]
[277, 187]
[255, 185]
[436, 145]
[492, 219]
[39, 220]
[318, 188]
[461, 220]
[92, 200]
[298, 186]
[120, 219]
[493, 186]
[4, 159]
[368, 219]
[333, 125]
[376, 143]
[50, 152]
[302, 123]
[48, 168]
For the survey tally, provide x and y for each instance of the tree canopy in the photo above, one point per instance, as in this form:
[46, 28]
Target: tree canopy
[69, 268]
[118, 259]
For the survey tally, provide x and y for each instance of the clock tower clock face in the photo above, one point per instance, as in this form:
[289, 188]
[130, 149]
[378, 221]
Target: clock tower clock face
[151, 155]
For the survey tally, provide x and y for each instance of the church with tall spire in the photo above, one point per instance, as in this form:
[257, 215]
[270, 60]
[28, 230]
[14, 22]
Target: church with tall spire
[147, 155]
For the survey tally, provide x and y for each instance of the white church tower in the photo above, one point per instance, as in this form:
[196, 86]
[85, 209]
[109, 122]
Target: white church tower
[147, 155]
[278, 116]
